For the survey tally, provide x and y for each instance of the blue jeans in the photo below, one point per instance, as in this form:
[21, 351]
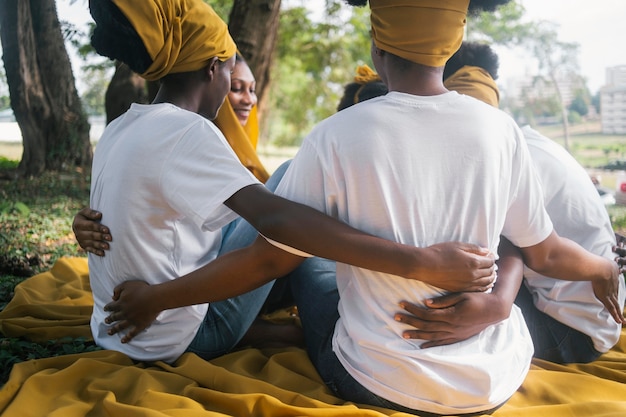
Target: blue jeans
[227, 321]
[553, 340]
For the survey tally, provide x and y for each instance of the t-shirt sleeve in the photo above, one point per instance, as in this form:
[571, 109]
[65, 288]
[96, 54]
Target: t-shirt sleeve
[527, 222]
[202, 172]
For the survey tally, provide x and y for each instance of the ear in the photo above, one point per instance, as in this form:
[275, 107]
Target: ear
[211, 68]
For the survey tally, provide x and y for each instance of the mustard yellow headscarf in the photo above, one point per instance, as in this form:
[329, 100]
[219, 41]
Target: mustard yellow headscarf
[179, 35]
[243, 139]
[474, 82]
[364, 75]
[426, 32]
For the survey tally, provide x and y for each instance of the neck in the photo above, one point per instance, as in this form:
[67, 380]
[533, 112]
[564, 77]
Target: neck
[416, 79]
[182, 90]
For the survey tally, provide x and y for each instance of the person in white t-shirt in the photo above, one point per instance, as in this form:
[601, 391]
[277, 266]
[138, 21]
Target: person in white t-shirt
[566, 321]
[167, 182]
[382, 166]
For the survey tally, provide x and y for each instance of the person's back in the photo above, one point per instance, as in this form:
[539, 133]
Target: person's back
[419, 170]
[577, 213]
[153, 153]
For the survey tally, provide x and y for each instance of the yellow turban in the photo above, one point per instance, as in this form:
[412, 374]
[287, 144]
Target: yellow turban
[474, 82]
[243, 139]
[365, 75]
[179, 35]
[426, 32]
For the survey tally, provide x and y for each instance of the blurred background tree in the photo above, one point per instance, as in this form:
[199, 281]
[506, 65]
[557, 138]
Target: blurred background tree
[303, 59]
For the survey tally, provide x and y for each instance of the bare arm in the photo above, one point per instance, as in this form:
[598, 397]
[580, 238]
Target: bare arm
[452, 266]
[458, 316]
[136, 304]
[562, 258]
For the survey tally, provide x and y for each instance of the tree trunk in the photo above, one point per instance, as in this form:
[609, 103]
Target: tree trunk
[125, 88]
[55, 130]
[253, 24]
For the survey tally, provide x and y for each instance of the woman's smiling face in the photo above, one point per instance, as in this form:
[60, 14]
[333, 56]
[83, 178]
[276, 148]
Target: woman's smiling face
[242, 94]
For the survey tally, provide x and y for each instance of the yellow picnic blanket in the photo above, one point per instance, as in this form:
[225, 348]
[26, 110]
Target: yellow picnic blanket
[250, 382]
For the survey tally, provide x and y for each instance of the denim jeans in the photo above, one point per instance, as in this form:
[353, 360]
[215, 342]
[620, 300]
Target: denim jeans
[227, 321]
[553, 340]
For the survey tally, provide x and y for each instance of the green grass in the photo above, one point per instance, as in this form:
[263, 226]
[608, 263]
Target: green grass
[35, 230]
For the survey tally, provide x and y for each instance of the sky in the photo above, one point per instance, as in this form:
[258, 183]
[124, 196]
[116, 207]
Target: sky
[598, 26]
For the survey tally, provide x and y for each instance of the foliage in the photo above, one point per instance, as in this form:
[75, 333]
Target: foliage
[315, 59]
[580, 103]
[505, 26]
[617, 215]
[14, 350]
[35, 230]
[5, 101]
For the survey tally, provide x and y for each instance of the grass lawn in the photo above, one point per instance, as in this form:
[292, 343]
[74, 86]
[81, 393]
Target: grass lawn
[36, 216]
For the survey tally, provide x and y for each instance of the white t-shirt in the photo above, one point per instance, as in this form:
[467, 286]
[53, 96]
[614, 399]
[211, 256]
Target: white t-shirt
[578, 213]
[160, 176]
[423, 170]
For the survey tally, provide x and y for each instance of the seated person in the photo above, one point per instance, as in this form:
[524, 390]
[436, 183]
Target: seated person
[168, 182]
[413, 145]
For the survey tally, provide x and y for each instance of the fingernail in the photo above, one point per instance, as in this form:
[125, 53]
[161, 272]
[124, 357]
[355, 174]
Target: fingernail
[397, 318]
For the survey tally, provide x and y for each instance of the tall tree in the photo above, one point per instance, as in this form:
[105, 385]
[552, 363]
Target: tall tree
[557, 60]
[253, 24]
[55, 130]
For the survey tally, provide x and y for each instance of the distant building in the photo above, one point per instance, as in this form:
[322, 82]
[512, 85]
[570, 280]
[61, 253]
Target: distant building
[613, 101]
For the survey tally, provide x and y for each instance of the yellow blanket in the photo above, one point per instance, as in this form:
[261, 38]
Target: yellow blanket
[251, 382]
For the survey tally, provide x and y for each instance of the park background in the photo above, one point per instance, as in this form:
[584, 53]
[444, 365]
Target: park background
[554, 61]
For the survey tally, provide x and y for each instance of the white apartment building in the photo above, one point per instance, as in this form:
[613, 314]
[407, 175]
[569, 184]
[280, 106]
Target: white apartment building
[613, 101]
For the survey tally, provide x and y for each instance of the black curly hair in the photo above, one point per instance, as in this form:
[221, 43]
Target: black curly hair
[116, 38]
[475, 54]
[475, 6]
[355, 93]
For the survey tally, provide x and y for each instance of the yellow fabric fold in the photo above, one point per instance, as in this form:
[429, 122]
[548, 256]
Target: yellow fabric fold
[426, 32]
[243, 139]
[51, 305]
[474, 82]
[250, 382]
[179, 35]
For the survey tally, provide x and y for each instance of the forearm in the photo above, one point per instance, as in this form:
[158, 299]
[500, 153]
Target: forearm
[510, 276]
[564, 259]
[230, 275]
[313, 232]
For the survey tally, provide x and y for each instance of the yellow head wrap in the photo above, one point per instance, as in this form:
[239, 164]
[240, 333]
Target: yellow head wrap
[364, 75]
[426, 32]
[243, 139]
[474, 82]
[179, 35]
